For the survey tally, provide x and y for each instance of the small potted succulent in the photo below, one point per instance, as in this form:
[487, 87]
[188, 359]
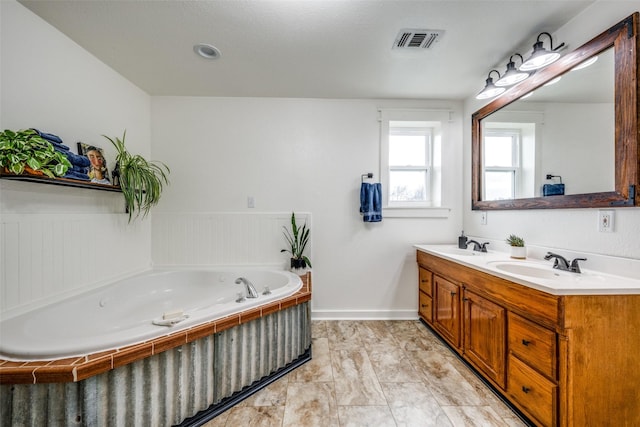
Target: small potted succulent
[518, 250]
[297, 237]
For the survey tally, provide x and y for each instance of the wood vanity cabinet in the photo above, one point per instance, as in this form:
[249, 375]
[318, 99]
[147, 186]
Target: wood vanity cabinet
[446, 313]
[425, 294]
[561, 360]
[484, 324]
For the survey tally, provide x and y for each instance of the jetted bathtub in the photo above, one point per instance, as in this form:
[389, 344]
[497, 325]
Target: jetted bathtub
[137, 309]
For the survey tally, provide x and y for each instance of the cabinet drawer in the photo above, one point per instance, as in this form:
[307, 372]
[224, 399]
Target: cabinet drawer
[426, 306]
[425, 278]
[533, 393]
[533, 344]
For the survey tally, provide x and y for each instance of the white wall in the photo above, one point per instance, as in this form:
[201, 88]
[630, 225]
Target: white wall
[304, 155]
[58, 240]
[570, 229]
[575, 146]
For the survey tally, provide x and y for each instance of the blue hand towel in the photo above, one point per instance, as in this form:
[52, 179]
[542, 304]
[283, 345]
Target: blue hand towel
[55, 140]
[77, 168]
[371, 202]
[74, 159]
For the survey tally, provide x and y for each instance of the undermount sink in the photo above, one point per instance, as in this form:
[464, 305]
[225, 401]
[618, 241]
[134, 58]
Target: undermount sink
[547, 272]
[453, 250]
[529, 269]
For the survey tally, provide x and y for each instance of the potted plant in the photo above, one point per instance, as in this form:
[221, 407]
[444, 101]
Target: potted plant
[141, 180]
[518, 250]
[25, 151]
[297, 237]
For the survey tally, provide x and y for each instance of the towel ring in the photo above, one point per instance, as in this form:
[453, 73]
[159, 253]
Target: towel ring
[366, 176]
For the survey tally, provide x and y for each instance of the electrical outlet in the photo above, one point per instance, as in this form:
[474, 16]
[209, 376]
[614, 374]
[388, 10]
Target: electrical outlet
[251, 202]
[605, 221]
[483, 218]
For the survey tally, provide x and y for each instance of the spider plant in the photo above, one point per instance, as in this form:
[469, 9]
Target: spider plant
[297, 237]
[141, 180]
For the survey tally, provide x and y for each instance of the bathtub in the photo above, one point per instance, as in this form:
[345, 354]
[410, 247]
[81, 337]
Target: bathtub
[135, 310]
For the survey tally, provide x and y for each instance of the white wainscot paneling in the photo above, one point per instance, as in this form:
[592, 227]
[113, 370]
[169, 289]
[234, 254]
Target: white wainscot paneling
[222, 238]
[46, 257]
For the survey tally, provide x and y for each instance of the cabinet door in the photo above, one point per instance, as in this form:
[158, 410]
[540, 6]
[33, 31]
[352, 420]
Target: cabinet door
[446, 313]
[484, 326]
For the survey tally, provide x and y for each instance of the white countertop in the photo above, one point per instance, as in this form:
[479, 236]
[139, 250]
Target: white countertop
[535, 273]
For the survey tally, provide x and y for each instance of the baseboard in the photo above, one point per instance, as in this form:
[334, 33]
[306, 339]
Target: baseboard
[364, 314]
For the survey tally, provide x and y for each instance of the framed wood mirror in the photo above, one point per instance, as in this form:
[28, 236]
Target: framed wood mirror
[600, 159]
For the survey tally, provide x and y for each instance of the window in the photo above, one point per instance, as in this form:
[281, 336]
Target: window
[511, 155]
[409, 162]
[501, 163]
[411, 146]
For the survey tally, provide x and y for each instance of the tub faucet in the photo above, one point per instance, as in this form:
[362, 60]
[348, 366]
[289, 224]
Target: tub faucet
[251, 290]
[477, 246]
[561, 262]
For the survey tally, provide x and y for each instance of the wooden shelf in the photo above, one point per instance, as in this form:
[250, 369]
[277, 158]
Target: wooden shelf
[65, 182]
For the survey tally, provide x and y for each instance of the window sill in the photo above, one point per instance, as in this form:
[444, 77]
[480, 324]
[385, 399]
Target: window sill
[415, 212]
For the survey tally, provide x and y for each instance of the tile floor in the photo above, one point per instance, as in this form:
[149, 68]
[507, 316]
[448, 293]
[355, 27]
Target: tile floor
[377, 374]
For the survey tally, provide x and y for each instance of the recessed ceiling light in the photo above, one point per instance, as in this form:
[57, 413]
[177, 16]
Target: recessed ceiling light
[207, 51]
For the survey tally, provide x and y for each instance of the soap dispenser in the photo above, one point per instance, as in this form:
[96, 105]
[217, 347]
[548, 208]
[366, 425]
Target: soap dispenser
[462, 241]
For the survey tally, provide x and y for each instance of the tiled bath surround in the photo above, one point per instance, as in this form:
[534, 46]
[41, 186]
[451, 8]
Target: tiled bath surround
[163, 387]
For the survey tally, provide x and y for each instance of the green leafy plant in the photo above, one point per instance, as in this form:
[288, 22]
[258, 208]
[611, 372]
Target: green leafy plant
[26, 150]
[141, 180]
[297, 237]
[514, 240]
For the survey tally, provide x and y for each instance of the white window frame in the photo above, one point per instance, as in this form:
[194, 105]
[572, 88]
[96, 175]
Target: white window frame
[438, 121]
[530, 124]
[419, 129]
[516, 161]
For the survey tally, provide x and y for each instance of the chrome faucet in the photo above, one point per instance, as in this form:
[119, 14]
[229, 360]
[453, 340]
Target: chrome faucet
[477, 246]
[251, 290]
[561, 263]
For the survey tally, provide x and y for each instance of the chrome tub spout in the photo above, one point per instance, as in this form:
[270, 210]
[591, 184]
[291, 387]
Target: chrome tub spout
[251, 290]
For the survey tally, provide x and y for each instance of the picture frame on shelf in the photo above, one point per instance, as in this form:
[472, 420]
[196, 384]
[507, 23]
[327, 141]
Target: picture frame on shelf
[98, 170]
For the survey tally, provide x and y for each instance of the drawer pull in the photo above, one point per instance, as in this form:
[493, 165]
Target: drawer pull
[526, 389]
[525, 342]
[423, 305]
[453, 294]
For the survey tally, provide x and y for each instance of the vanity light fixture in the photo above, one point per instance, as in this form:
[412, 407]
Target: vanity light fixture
[585, 64]
[552, 82]
[512, 76]
[490, 89]
[541, 57]
[207, 51]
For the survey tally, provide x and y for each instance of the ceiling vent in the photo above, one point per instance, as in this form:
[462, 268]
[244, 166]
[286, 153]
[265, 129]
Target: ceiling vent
[417, 39]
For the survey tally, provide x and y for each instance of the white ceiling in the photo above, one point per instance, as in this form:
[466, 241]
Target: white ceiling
[305, 48]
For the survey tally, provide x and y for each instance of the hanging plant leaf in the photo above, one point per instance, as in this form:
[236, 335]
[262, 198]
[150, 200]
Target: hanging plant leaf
[141, 181]
[27, 148]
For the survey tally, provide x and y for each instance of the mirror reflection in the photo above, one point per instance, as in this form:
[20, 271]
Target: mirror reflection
[556, 140]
